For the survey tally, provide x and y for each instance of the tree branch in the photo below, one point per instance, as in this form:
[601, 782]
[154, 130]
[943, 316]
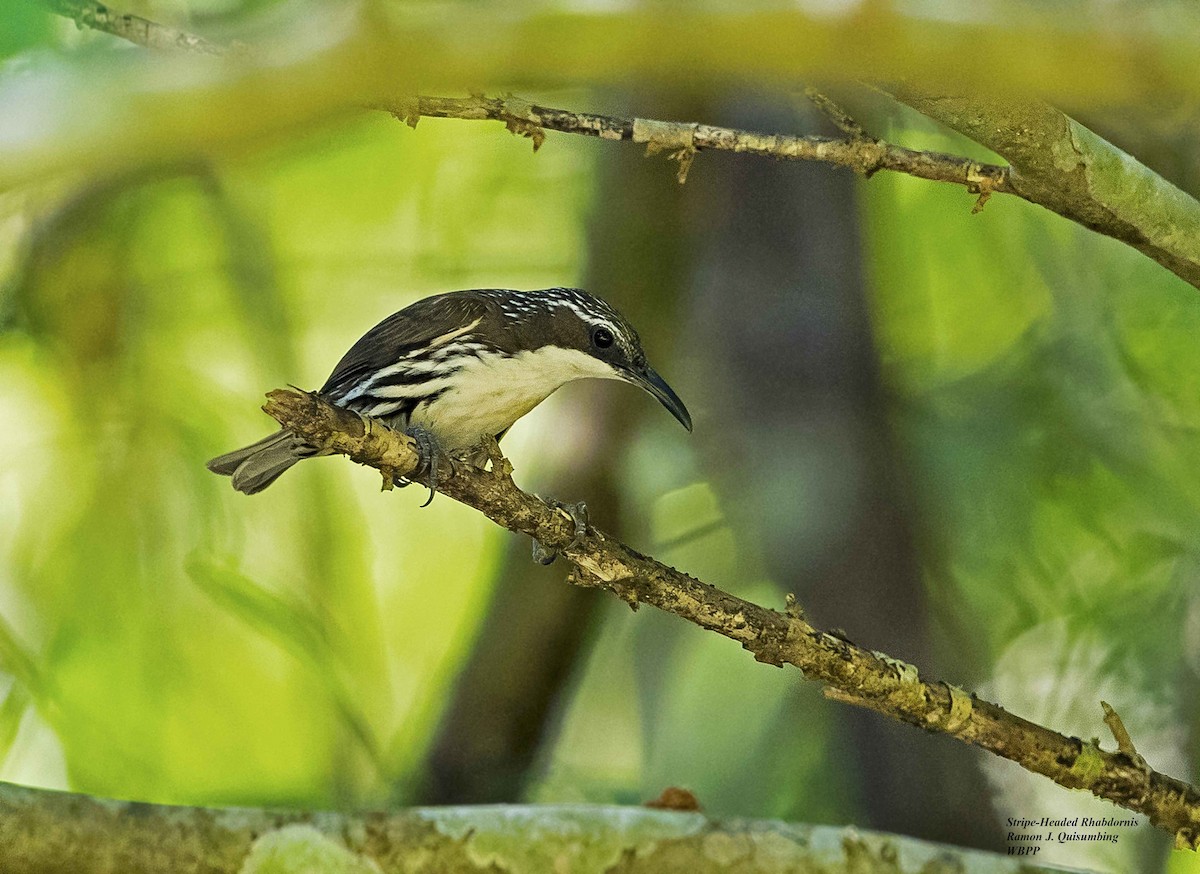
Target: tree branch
[1061, 165]
[860, 152]
[681, 140]
[43, 831]
[1056, 162]
[851, 674]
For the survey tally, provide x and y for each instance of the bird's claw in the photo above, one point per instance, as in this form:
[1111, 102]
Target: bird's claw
[578, 514]
[430, 455]
[541, 554]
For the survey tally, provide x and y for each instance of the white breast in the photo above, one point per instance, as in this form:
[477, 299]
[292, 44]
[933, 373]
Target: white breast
[493, 391]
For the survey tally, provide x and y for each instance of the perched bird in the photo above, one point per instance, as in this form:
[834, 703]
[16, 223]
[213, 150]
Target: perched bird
[455, 368]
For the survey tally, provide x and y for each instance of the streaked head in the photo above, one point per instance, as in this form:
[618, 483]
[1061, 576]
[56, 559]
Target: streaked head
[574, 321]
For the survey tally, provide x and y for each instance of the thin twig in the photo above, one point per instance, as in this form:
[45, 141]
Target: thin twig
[841, 119]
[861, 153]
[852, 673]
[1121, 735]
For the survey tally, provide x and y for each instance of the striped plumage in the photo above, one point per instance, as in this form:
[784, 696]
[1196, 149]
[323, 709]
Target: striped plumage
[465, 365]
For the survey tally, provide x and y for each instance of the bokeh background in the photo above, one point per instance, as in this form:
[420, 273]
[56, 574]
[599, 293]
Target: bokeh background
[969, 441]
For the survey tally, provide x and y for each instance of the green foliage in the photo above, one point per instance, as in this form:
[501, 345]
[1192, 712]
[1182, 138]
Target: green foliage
[26, 25]
[1044, 381]
[1042, 375]
[183, 643]
[205, 647]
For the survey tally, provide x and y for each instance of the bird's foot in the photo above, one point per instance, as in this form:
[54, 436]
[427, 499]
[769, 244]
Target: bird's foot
[431, 455]
[578, 514]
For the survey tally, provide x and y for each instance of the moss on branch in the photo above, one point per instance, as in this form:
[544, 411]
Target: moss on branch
[42, 831]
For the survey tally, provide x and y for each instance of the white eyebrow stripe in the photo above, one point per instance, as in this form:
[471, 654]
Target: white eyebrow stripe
[584, 317]
[458, 332]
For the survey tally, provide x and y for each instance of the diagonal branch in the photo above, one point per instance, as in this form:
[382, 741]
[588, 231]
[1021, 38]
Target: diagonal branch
[850, 673]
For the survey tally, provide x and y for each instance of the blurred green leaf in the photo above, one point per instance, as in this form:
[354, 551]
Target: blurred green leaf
[17, 661]
[26, 24]
[292, 626]
[12, 711]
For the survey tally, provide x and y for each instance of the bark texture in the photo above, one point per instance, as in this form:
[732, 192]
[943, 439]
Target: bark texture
[43, 832]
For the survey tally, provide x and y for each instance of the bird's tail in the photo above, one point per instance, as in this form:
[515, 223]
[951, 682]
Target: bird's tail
[256, 466]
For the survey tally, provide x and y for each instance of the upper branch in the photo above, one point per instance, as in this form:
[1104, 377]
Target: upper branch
[852, 674]
[1056, 162]
[860, 152]
[1065, 167]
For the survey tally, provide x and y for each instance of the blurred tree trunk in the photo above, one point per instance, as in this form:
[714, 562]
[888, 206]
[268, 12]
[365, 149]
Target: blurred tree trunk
[512, 685]
[804, 456]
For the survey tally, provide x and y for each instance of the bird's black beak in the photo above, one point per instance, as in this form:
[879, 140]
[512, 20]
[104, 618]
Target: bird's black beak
[648, 379]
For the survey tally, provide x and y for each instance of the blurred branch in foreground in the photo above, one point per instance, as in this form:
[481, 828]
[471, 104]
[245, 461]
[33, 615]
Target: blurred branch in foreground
[1056, 162]
[58, 831]
[1125, 55]
[852, 674]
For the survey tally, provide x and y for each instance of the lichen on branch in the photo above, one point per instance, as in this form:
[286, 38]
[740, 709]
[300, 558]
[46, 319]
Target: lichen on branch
[44, 831]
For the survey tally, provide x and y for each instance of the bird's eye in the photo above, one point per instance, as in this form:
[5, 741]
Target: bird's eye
[602, 337]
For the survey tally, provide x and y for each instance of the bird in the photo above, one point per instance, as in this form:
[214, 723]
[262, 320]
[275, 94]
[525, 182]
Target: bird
[456, 369]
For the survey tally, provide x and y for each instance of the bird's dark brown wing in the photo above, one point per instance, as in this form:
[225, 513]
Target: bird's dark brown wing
[413, 327]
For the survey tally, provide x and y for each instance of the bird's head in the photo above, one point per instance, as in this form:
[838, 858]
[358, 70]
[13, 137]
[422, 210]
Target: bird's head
[581, 334]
